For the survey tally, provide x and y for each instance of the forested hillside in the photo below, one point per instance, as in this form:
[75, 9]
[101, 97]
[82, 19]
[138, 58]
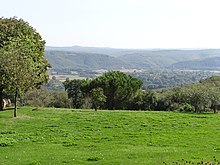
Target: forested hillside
[165, 58]
[207, 64]
[107, 58]
[66, 60]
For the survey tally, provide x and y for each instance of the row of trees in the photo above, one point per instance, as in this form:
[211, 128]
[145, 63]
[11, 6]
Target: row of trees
[199, 97]
[22, 62]
[111, 92]
[167, 78]
[116, 90]
[46, 98]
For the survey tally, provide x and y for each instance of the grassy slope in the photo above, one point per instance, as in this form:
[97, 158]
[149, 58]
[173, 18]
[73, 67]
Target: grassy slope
[52, 136]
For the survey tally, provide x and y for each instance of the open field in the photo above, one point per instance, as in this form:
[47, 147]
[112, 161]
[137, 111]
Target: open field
[63, 78]
[62, 136]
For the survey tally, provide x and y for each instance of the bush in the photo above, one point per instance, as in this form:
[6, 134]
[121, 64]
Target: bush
[38, 98]
[45, 98]
[60, 100]
[186, 108]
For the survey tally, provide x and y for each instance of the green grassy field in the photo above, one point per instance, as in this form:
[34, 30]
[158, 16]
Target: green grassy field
[62, 136]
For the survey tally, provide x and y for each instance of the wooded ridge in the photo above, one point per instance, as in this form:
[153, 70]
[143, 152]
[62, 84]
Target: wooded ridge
[108, 58]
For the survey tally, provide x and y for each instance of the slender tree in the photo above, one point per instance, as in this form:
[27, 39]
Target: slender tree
[19, 71]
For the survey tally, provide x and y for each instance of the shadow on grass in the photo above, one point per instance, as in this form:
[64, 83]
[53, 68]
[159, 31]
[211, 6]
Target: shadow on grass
[5, 115]
[199, 113]
[10, 108]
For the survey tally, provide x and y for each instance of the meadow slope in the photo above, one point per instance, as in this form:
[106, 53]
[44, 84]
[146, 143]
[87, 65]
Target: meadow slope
[63, 136]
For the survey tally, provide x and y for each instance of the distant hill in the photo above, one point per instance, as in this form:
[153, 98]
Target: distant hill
[212, 63]
[66, 60]
[96, 50]
[166, 58]
[77, 57]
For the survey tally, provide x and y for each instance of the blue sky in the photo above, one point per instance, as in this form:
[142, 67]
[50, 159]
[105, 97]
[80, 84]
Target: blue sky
[121, 23]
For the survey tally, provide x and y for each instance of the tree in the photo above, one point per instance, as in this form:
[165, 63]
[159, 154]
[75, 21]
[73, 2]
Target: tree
[60, 100]
[150, 100]
[38, 98]
[212, 84]
[118, 88]
[143, 100]
[98, 98]
[199, 97]
[214, 97]
[54, 85]
[23, 48]
[19, 71]
[73, 88]
[137, 101]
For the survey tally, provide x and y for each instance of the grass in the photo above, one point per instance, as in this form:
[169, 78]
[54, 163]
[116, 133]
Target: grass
[62, 136]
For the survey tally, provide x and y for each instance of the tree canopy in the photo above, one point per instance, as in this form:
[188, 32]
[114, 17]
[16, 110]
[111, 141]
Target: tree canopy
[118, 88]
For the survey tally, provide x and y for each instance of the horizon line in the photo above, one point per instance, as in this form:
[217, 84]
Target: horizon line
[106, 47]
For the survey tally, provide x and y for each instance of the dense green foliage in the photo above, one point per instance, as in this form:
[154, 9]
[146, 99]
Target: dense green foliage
[22, 62]
[144, 100]
[45, 98]
[17, 70]
[60, 136]
[20, 32]
[74, 91]
[97, 98]
[117, 87]
[161, 79]
[116, 90]
[203, 96]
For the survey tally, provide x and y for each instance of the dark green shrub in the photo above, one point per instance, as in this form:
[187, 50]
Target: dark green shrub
[60, 100]
[38, 98]
[186, 108]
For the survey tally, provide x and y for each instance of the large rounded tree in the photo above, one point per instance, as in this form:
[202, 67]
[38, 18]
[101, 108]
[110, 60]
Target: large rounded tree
[22, 62]
[118, 88]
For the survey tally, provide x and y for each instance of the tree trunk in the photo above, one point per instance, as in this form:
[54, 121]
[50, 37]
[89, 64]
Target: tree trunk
[15, 108]
[1, 99]
[215, 109]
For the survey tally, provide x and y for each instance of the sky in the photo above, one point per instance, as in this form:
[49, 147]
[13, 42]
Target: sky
[121, 23]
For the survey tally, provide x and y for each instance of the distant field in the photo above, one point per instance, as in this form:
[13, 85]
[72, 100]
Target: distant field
[62, 136]
[62, 78]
